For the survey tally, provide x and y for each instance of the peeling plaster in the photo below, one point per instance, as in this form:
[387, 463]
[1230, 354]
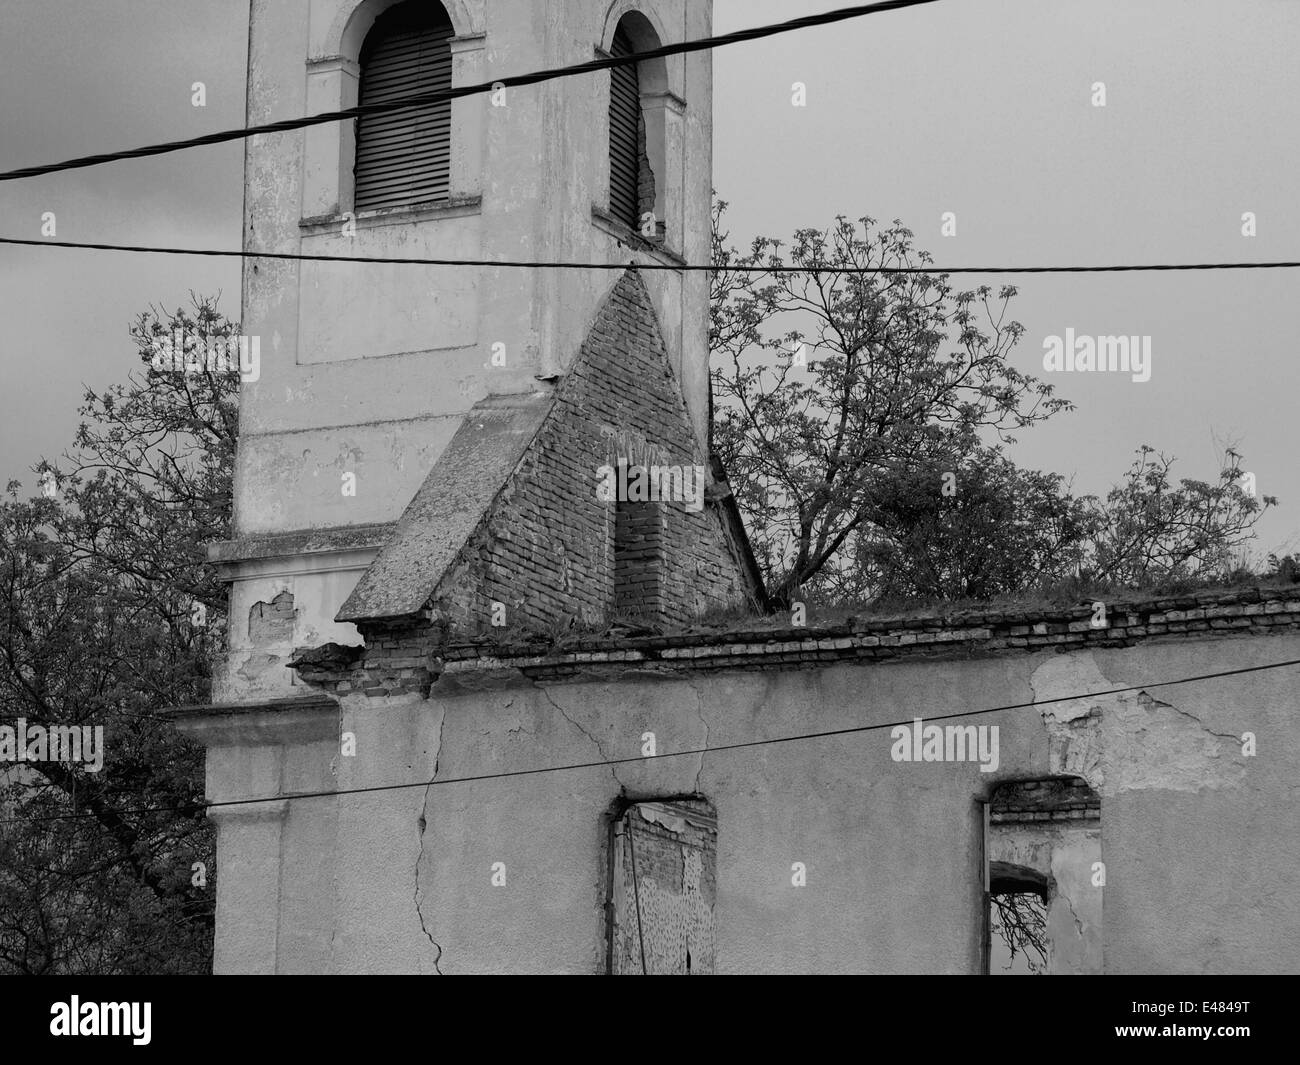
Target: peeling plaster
[675, 825]
[255, 666]
[268, 621]
[1131, 740]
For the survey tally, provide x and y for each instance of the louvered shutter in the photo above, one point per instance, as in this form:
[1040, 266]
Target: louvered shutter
[404, 156]
[624, 136]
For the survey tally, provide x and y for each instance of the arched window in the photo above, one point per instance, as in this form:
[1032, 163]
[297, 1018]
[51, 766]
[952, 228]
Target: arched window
[404, 156]
[631, 177]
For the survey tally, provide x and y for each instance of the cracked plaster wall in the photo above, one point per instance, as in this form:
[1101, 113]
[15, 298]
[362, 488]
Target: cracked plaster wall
[263, 638]
[1200, 844]
[1198, 840]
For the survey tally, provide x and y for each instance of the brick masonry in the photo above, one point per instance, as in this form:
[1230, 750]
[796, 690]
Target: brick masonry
[1023, 802]
[397, 660]
[638, 568]
[1241, 612]
[272, 622]
[545, 549]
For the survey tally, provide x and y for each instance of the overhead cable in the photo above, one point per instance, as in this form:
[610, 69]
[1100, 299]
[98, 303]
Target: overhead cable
[542, 264]
[442, 96]
[691, 753]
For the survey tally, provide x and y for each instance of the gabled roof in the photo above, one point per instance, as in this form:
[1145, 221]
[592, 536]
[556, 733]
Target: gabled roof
[447, 509]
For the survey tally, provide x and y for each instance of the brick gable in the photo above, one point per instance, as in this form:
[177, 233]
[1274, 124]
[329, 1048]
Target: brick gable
[546, 549]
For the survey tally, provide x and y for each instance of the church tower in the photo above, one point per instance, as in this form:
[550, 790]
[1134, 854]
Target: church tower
[438, 457]
[399, 405]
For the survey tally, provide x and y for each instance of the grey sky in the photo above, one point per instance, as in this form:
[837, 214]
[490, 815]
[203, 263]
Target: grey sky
[980, 107]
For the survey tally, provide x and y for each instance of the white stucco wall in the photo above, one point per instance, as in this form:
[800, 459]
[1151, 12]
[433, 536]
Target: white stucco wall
[1198, 873]
[347, 348]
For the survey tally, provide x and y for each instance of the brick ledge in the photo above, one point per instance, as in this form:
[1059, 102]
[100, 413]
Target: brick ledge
[1253, 611]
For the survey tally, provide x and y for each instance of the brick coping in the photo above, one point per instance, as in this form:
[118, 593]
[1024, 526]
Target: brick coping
[1247, 611]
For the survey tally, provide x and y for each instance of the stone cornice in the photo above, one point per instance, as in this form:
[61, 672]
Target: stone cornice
[294, 720]
[302, 542]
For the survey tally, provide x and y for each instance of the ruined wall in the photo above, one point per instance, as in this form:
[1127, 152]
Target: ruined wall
[286, 600]
[1197, 839]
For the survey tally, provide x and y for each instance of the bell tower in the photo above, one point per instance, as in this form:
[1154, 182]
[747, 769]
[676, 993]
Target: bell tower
[368, 371]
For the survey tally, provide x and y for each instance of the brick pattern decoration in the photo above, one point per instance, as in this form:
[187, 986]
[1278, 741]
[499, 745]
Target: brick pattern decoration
[1243, 612]
[545, 549]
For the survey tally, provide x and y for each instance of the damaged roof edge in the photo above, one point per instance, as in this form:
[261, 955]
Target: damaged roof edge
[449, 506]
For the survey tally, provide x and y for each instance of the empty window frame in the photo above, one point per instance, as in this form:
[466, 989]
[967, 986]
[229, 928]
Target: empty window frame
[662, 889]
[1043, 878]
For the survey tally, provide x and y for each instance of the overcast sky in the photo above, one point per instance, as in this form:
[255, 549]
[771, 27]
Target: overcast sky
[979, 107]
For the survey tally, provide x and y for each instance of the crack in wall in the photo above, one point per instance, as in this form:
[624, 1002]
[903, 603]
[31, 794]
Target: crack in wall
[1129, 740]
[424, 822]
[599, 750]
[700, 710]
[1078, 924]
[1148, 701]
[334, 866]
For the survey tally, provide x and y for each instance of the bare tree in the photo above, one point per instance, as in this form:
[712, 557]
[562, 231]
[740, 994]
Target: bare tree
[1019, 918]
[109, 615]
[861, 408]
[842, 372]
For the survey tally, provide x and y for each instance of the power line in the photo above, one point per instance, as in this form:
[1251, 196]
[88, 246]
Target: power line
[528, 264]
[430, 98]
[697, 752]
